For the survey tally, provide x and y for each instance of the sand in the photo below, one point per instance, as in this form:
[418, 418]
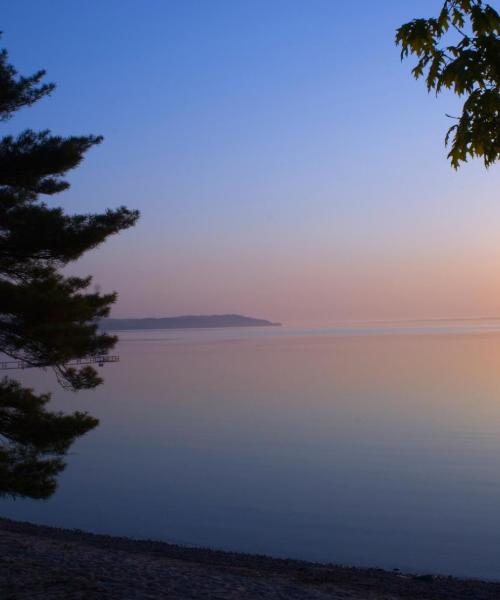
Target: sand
[59, 564]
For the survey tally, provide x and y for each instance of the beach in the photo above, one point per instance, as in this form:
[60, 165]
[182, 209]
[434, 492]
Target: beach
[56, 564]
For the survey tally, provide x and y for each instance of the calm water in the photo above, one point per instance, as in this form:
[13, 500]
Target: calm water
[367, 447]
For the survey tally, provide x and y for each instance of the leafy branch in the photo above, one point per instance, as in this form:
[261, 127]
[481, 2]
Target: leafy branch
[470, 68]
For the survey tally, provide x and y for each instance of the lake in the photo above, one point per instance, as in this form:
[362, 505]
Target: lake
[373, 446]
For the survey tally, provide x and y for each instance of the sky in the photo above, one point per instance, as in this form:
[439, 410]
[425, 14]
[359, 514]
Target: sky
[285, 163]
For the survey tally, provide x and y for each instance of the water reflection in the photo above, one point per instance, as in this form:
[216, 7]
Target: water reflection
[365, 449]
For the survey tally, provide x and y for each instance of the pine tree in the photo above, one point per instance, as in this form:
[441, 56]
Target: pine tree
[47, 319]
[470, 67]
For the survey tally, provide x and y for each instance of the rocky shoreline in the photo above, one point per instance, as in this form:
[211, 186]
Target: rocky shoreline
[61, 564]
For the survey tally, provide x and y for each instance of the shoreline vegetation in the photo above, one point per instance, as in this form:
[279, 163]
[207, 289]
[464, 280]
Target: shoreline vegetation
[185, 322]
[52, 563]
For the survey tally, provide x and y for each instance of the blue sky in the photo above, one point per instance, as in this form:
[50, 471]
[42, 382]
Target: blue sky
[285, 162]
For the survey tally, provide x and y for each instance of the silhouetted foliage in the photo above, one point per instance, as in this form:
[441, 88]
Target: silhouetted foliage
[46, 318]
[35, 440]
[470, 67]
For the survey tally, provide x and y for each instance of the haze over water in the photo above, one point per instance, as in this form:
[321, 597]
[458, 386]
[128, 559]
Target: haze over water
[376, 446]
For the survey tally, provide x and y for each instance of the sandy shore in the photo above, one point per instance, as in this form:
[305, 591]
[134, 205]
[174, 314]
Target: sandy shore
[60, 564]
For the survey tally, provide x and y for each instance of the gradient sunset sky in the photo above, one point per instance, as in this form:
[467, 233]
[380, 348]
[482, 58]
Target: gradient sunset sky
[286, 164]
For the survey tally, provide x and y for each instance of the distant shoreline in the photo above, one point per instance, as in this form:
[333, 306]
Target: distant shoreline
[47, 562]
[185, 322]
